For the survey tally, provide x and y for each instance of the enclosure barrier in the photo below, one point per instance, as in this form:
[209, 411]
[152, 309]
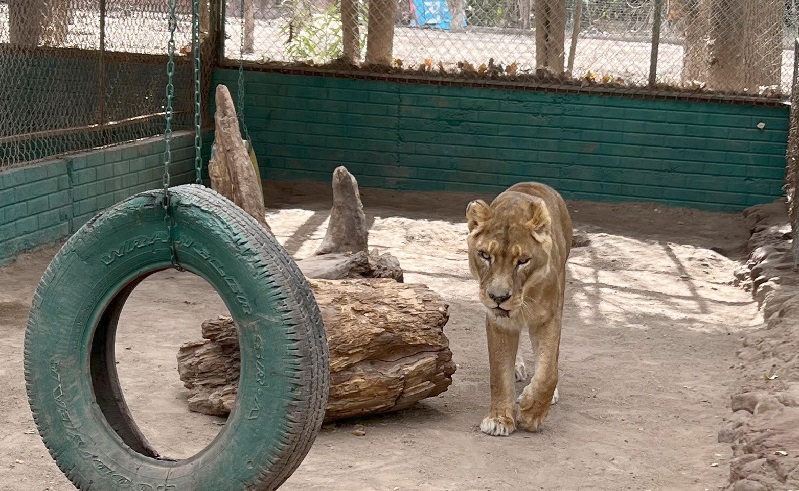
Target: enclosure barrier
[733, 46]
[792, 159]
[83, 74]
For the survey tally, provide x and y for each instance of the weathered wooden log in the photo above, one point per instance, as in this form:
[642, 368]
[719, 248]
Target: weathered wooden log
[231, 169]
[344, 250]
[338, 266]
[387, 350]
[346, 230]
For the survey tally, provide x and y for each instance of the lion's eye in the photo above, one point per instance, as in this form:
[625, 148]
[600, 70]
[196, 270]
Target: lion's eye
[522, 262]
[484, 255]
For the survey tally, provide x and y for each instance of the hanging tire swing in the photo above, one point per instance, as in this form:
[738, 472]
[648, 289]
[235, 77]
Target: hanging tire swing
[70, 368]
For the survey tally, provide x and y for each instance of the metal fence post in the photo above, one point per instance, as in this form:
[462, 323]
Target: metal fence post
[792, 155]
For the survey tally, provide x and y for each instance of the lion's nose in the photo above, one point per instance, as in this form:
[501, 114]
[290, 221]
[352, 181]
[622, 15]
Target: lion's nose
[499, 298]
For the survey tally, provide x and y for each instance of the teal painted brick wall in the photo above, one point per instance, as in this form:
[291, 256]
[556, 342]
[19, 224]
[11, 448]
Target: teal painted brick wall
[446, 138]
[45, 203]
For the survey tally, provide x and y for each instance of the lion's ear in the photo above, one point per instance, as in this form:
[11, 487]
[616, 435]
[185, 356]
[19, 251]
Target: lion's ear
[541, 223]
[477, 212]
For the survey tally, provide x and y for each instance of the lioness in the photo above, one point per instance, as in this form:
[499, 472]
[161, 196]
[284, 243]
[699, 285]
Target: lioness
[518, 248]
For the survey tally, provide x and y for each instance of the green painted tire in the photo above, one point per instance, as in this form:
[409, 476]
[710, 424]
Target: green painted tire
[70, 368]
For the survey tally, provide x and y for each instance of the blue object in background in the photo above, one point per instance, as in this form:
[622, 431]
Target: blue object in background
[433, 13]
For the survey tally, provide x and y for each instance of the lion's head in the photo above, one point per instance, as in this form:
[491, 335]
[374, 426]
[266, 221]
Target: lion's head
[510, 246]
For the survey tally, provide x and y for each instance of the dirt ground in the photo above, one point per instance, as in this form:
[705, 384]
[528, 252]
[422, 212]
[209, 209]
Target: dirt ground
[648, 357]
[764, 426]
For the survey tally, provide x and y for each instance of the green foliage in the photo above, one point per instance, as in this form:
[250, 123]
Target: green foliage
[317, 36]
[486, 13]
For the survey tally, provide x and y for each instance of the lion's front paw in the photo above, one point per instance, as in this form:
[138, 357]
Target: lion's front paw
[533, 410]
[555, 398]
[498, 425]
[530, 420]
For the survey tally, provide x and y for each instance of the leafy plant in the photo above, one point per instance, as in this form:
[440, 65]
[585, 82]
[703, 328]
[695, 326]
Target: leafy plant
[317, 36]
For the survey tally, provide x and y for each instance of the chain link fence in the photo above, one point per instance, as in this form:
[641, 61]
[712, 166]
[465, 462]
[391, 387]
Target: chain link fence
[792, 158]
[741, 47]
[82, 74]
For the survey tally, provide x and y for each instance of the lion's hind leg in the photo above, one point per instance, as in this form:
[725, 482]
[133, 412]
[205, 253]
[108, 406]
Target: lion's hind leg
[519, 369]
[521, 374]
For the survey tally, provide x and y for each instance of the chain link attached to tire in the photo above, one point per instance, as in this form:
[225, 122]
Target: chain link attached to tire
[170, 94]
[240, 94]
[198, 137]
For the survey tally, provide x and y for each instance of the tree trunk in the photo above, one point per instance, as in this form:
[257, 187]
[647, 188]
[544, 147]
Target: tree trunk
[550, 35]
[25, 19]
[380, 32]
[747, 45]
[726, 52]
[32, 22]
[231, 170]
[578, 14]
[695, 14]
[58, 17]
[350, 31]
[205, 18]
[458, 14]
[763, 53]
[524, 13]
[387, 350]
[249, 26]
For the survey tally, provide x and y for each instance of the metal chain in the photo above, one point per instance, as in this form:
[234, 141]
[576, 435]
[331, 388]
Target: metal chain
[198, 139]
[241, 79]
[170, 93]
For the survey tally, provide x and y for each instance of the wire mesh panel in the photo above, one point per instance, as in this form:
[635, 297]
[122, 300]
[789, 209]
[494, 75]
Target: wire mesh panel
[140, 26]
[740, 47]
[81, 74]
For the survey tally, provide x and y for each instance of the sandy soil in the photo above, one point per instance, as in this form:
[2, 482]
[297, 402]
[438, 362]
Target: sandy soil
[651, 328]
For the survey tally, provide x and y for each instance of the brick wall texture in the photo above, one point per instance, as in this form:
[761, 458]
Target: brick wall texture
[435, 138]
[47, 202]
[443, 138]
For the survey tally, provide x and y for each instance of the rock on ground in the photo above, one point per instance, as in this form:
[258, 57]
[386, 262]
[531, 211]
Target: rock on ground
[764, 426]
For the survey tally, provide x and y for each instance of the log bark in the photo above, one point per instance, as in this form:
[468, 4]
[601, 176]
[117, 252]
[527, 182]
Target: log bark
[387, 350]
[231, 170]
[338, 266]
[344, 250]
